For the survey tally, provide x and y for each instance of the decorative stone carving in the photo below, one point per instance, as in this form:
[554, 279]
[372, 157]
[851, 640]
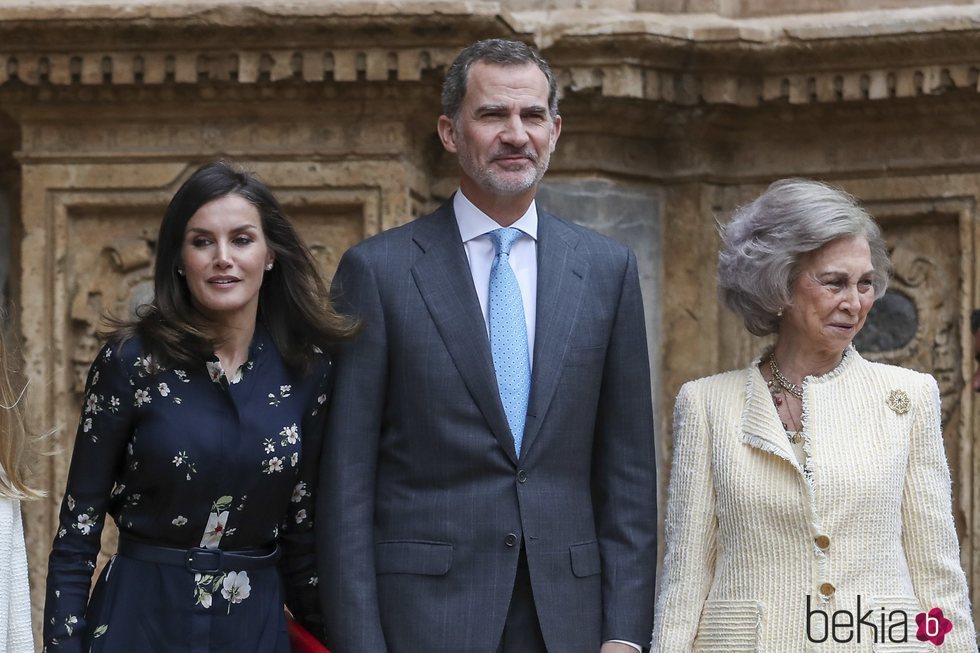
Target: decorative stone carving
[110, 272]
[619, 80]
[925, 273]
[892, 324]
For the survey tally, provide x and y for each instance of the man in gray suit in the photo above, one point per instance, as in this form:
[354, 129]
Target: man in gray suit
[488, 479]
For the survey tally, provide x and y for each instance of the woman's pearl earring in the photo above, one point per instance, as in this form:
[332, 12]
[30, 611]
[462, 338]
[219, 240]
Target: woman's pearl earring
[779, 313]
[180, 271]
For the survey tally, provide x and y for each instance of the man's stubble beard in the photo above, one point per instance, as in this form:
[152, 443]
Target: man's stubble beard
[488, 178]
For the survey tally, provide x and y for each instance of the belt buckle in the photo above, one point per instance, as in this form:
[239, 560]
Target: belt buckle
[193, 556]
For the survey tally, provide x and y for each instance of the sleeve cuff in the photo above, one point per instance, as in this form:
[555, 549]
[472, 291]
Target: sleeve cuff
[630, 644]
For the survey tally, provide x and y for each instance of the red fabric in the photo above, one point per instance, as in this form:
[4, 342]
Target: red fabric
[302, 641]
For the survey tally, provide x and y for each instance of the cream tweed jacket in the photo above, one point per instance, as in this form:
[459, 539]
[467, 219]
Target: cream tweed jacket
[751, 534]
[15, 601]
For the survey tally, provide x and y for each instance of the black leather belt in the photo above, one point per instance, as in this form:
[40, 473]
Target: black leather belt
[198, 559]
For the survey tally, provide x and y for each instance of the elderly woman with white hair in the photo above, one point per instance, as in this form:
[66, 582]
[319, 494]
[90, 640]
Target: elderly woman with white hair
[809, 501]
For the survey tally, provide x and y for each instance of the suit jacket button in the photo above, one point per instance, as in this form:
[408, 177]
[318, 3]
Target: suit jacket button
[510, 540]
[822, 541]
[521, 476]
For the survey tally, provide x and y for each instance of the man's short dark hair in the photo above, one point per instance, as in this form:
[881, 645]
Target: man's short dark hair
[500, 52]
[975, 321]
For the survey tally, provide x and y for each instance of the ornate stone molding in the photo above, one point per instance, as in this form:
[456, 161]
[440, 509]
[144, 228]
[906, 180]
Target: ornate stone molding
[673, 59]
[245, 66]
[614, 80]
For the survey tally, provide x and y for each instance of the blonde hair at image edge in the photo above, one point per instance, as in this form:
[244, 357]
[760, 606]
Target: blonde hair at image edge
[17, 442]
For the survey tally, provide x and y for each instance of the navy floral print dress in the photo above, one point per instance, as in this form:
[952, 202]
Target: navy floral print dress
[189, 458]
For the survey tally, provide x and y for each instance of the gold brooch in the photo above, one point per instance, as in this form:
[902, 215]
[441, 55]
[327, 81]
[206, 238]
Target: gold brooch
[898, 401]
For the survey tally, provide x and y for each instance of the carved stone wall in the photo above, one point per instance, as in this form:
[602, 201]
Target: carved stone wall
[5, 246]
[671, 120]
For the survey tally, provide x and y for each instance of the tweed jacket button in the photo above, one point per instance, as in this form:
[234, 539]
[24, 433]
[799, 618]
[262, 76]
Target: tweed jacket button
[822, 541]
[827, 589]
[510, 539]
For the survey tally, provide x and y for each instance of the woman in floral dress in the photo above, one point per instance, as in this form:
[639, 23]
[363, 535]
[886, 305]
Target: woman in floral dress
[200, 435]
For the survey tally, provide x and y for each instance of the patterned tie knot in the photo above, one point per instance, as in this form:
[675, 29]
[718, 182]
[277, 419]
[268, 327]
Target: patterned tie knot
[504, 238]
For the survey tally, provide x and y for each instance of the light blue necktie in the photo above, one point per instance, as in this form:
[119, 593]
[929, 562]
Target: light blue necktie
[508, 334]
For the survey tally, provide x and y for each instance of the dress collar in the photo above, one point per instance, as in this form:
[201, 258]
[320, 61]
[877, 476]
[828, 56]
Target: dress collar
[848, 359]
[761, 426]
[260, 341]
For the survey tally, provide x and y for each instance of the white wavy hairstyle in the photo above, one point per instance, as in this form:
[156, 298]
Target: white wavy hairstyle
[765, 241]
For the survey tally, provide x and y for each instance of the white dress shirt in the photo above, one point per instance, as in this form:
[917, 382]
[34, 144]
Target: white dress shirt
[474, 225]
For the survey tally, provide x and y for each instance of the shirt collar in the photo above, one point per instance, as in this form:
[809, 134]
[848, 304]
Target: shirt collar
[473, 222]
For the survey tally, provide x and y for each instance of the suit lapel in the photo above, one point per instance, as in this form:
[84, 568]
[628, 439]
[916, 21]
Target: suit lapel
[443, 277]
[562, 271]
[761, 426]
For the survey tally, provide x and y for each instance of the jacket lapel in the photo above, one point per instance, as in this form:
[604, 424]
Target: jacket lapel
[761, 426]
[443, 277]
[562, 271]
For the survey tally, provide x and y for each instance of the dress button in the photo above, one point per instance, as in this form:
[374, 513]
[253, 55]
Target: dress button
[522, 476]
[822, 541]
[510, 539]
[827, 589]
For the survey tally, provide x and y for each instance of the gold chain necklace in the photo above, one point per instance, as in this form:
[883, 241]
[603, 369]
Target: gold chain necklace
[793, 388]
[779, 384]
[797, 434]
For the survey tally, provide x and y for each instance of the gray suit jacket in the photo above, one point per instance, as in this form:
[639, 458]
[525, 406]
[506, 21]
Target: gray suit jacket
[423, 502]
